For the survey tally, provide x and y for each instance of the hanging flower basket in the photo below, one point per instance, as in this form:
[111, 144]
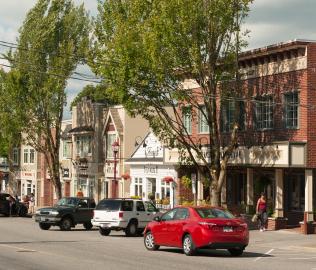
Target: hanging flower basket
[168, 179]
[126, 176]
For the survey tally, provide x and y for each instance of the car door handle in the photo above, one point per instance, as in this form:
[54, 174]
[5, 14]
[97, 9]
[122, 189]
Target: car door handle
[137, 214]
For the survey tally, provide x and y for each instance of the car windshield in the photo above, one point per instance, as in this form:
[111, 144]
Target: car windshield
[214, 213]
[109, 205]
[67, 201]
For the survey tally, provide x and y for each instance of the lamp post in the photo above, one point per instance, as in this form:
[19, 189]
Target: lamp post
[115, 148]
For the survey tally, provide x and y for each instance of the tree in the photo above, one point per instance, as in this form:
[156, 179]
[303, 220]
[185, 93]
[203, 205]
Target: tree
[53, 40]
[96, 93]
[11, 122]
[146, 50]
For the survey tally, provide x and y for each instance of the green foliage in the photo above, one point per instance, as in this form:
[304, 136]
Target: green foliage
[148, 48]
[95, 93]
[186, 182]
[53, 41]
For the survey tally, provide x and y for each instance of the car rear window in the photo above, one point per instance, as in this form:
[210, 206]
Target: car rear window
[214, 213]
[115, 205]
[110, 205]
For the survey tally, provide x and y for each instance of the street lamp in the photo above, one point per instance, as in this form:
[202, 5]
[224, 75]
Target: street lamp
[115, 148]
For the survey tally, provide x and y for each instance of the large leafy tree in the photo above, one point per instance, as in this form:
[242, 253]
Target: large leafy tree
[11, 122]
[146, 50]
[53, 40]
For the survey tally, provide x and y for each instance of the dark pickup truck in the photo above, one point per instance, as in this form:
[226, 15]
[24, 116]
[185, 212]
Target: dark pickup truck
[67, 213]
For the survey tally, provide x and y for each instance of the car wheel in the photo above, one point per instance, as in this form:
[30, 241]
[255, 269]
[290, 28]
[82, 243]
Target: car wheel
[131, 229]
[104, 232]
[44, 226]
[65, 224]
[235, 251]
[149, 241]
[188, 245]
[88, 225]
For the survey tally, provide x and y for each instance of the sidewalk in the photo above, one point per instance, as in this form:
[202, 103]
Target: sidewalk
[284, 239]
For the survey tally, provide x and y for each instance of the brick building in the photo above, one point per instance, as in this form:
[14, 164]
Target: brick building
[277, 143]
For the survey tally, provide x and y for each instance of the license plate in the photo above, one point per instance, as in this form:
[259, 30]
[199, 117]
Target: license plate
[43, 219]
[106, 225]
[227, 229]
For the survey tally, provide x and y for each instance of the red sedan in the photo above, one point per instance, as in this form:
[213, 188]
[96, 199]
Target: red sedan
[192, 228]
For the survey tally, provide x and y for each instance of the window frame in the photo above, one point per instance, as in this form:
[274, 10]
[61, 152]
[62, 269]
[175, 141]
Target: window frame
[187, 119]
[227, 115]
[264, 113]
[293, 106]
[203, 126]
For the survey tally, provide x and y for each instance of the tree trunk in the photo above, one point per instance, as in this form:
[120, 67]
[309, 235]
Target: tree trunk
[12, 185]
[58, 188]
[215, 196]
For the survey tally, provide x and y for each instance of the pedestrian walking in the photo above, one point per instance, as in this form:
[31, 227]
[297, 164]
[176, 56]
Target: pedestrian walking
[262, 212]
[31, 204]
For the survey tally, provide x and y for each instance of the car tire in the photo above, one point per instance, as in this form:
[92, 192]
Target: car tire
[44, 226]
[65, 224]
[188, 245]
[131, 229]
[104, 231]
[87, 225]
[149, 242]
[235, 252]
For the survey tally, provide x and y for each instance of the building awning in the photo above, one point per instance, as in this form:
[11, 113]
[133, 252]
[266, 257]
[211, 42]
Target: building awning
[82, 129]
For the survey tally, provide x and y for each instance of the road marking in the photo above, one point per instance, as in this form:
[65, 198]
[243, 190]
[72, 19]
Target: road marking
[18, 248]
[307, 258]
[264, 255]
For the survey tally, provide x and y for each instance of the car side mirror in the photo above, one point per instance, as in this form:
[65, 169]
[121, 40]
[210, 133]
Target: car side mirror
[157, 218]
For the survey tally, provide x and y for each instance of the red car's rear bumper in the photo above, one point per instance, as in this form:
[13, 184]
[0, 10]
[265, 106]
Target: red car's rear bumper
[221, 240]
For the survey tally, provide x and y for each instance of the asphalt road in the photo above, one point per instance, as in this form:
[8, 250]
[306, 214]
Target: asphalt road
[24, 246]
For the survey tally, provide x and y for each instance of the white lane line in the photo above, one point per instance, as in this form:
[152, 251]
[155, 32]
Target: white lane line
[18, 248]
[264, 255]
[307, 258]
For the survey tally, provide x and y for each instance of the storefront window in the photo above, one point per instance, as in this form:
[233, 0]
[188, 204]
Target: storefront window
[296, 192]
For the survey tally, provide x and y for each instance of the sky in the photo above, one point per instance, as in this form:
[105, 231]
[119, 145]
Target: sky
[269, 22]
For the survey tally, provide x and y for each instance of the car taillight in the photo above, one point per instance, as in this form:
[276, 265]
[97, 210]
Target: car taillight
[120, 214]
[209, 225]
[93, 214]
[242, 227]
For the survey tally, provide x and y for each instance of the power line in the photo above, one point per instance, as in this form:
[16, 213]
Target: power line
[85, 76]
[55, 75]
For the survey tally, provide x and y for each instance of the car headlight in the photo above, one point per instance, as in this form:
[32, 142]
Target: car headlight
[38, 212]
[54, 213]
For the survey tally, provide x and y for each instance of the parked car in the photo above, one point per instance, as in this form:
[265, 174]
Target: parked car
[130, 215]
[192, 228]
[67, 213]
[10, 206]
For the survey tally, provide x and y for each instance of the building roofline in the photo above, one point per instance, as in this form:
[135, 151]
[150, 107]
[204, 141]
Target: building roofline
[277, 46]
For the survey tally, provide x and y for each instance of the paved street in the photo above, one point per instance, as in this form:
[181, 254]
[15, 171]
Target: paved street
[24, 246]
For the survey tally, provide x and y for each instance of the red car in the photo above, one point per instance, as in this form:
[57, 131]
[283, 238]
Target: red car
[192, 228]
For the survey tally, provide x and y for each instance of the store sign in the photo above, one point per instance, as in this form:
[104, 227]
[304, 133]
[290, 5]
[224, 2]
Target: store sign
[149, 169]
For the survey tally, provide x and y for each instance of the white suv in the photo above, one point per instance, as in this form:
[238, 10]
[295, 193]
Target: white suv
[129, 215]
